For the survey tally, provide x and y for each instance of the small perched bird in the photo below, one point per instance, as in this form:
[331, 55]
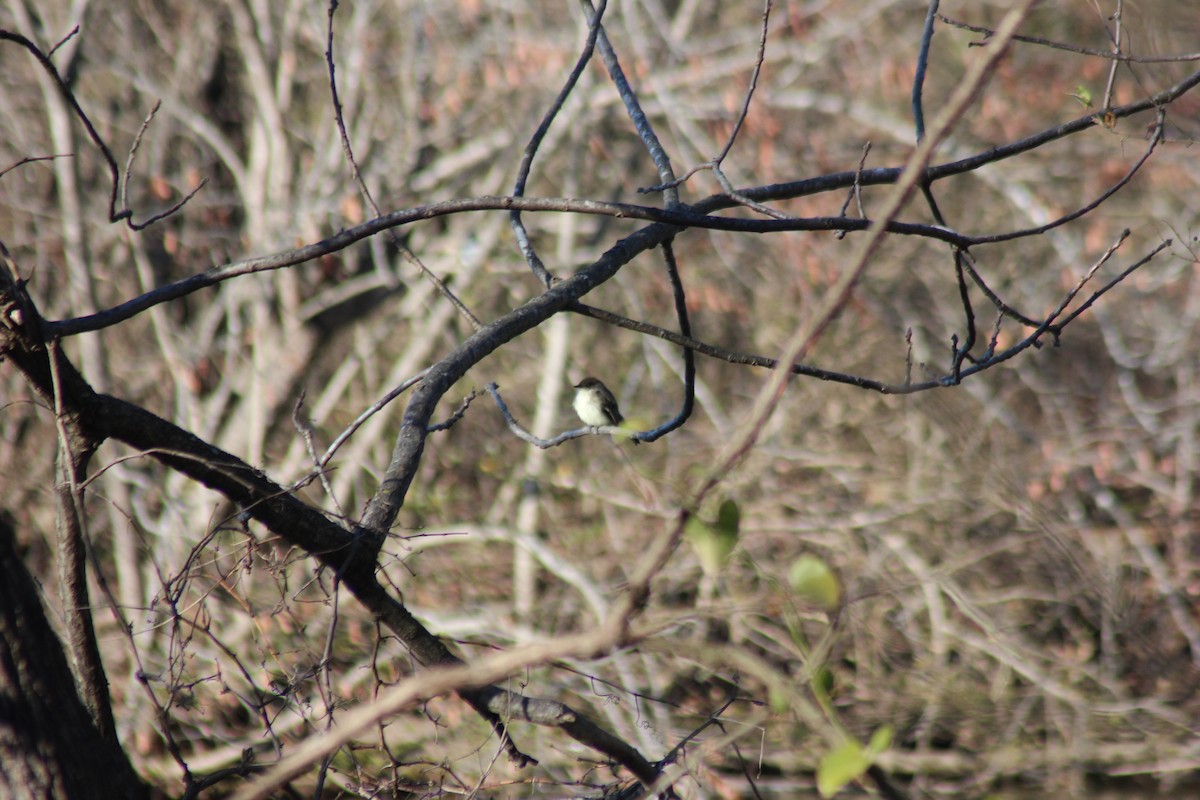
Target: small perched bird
[596, 406]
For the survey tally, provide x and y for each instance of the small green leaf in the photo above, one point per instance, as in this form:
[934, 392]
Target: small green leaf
[729, 519]
[881, 740]
[778, 701]
[714, 543]
[812, 579]
[843, 764]
[823, 682]
[1083, 95]
[629, 427]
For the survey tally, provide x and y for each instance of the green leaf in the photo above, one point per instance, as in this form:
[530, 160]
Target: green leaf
[881, 740]
[729, 519]
[811, 578]
[849, 761]
[714, 543]
[843, 764]
[629, 427]
[823, 682]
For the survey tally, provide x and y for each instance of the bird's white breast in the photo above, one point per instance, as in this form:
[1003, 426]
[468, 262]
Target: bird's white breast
[588, 407]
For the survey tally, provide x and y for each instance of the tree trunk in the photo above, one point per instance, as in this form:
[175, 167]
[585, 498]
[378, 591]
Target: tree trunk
[49, 745]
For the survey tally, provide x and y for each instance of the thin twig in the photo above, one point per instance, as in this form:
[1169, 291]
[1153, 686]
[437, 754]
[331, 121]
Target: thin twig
[114, 172]
[362, 418]
[522, 433]
[405, 252]
[855, 192]
[1115, 36]
[31, 159]
[714, 164]
[1115, 55]
[450, 421]
[1004, 308]
[133, 148]
[305, 427]
[535, 141]
[1156, 136]
[964, 296]
[739, 198]
[758, 63]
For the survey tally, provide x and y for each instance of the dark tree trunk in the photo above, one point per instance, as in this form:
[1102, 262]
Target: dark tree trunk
[49, 745]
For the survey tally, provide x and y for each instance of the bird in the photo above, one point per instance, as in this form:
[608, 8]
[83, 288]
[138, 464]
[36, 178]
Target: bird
[595, 404]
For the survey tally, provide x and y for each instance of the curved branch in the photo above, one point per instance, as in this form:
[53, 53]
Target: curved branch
[689, 357]
[754, 75]
[1156, 136]
[109, 160]
[535, 141]
[523, 434]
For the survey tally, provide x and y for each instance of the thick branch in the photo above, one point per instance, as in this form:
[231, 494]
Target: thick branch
[351, 555]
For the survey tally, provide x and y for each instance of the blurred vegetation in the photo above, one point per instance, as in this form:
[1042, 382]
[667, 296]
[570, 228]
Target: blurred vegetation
[1017, 557]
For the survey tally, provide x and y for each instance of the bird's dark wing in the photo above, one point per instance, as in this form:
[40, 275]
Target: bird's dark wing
[608, 404]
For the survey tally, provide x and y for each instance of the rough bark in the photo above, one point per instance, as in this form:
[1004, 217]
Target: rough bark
[50, 746]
